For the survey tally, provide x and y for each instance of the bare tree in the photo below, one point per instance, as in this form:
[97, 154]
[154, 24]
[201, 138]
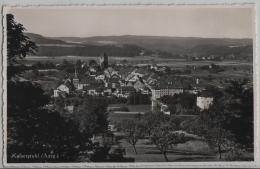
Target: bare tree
[164, 136]
[133, 131]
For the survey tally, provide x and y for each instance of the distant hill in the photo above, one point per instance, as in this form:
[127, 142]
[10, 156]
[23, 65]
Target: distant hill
[131, 45]
[173, 45]
[39, 39]
[56, 47]
[91, 50]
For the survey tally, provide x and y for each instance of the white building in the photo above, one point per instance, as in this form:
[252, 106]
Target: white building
[56, 93]
[80, 86]
[70, 108]
[165, 109]
[204, 102]
[100, 77]
[61, 88]
[158, 93]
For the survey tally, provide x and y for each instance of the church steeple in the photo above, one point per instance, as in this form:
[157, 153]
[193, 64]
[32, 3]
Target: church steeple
[75, 73]
[103, 61]
[75, 79]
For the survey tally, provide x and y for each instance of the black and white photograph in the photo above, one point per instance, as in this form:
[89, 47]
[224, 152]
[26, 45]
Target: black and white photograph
[129, 84]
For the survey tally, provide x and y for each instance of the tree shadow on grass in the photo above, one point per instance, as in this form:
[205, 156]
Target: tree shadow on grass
[180, 153]
[204, 158]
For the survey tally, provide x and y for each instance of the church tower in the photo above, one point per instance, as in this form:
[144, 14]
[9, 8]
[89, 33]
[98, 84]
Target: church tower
[75, 79]
[103, 61]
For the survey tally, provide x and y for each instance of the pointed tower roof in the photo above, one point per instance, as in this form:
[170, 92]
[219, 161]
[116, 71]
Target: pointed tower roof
[75, 73]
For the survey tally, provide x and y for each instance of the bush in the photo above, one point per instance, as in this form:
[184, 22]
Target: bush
[103, 154]
[235, 154]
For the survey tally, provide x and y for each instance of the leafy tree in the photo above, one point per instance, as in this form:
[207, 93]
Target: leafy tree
[18, 45]
[101, 154]
[138, 98]
[212, 125]
[33, 129]
[183, 103]
[124, 61]
[81, 67]
[92, 115]
[240, 106]
[67, 66]
[92, 63]
[161, 130]
[104, 154]
[228, 124]
[150, 120]
[41, 65]
[59, 104]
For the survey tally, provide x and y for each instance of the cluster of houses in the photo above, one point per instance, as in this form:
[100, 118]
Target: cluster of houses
[106, 83]
[197, 57]
[122, 82]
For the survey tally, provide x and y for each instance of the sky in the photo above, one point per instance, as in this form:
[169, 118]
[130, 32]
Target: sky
[181, 21]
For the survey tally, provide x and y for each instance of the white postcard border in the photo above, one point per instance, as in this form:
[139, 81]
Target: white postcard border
[35, 3]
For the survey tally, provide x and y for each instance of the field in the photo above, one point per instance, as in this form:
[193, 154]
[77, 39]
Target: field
[140, 60]
[236, 69]
[134, 110]
[194, 150]
[190, 151]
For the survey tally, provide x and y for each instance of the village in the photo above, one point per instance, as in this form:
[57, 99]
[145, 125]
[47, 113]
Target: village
[131, 91]
[101, 79]
[132, 94]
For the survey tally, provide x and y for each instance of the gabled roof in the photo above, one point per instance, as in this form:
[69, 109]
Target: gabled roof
[109, 69]
[206, 93]
[115, 75]
[146, 88]
[140, 80]
[114, 80]
[67, 82]
[125, 71]
[87, 79]
[172, 83]
[142, 70]
[127, 89]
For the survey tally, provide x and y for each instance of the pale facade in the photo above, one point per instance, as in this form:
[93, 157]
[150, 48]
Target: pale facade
[80, 86]
[158, 93]
[100, 77]
[56, 93]
[204, 102]
[63, 88]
